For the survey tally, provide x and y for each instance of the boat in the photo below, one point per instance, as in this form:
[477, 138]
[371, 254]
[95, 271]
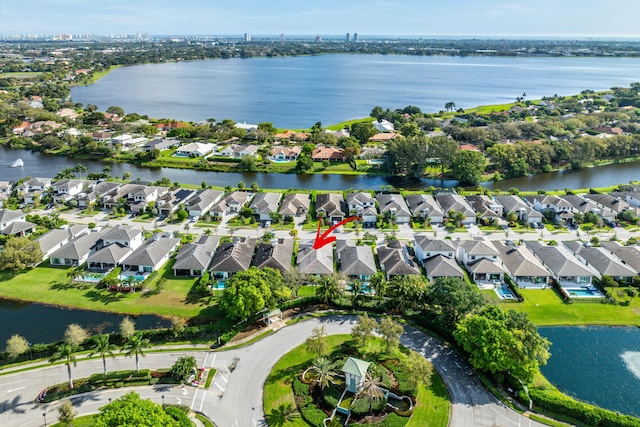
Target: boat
[17, 164]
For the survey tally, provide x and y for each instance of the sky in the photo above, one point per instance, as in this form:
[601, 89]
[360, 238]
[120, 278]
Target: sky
[502, 18]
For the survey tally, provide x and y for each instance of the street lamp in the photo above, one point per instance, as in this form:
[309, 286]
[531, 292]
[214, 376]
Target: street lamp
[44, 415]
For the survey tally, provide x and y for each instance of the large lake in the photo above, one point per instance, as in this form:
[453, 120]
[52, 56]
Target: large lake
[296, 92]
[596, 364]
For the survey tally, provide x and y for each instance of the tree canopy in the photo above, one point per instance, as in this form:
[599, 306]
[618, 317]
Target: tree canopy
[248, 292]
[499, 341]
[132, 411]
[450, 299]
[20, 253]
[408, 156]
[468, 166]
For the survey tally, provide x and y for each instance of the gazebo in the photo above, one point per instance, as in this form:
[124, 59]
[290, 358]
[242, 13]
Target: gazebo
[354, 372]
[272, 316]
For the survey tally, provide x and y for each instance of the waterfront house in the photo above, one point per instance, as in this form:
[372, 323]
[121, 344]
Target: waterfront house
[566, 269]
[195, 149]
[486, 208]
[285, 154]
[95, 194]
[76, 252]
[172, 201]
[108, 257]
[523, 267]
[603, 260]
[560, 209]
[356, 262]
[140, 198]
[513, 203]
[394, 205]
[265, 204]
[58, 237]
[629, 254]
[232, 257]
[14, 223]
[452, 202]
[295, 204]
[363, 205]
[616, 204]
[425, 206]
[383, 126]
[329, 207]
[231, 203]
[194, 259]
[151, 256]
[276, 255]
[65, 189]
[480, 258]
[161, 144]
[234, 150]
[315, 262]
[396, 260]
[203, 201]
[320, 154]
[585, 205]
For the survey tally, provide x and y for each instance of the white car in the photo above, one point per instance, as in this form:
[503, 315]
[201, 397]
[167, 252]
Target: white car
[195, 218]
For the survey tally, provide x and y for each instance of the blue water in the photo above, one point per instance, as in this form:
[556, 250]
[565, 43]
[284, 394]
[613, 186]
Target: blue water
[296, 92]
[504, 292]
[584, 293]
[596, 364]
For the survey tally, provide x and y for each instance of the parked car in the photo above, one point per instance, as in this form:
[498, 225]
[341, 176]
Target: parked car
[195, 218]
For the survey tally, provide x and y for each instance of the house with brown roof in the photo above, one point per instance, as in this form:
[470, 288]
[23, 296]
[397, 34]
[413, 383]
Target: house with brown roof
[327, 153]
[285, 154]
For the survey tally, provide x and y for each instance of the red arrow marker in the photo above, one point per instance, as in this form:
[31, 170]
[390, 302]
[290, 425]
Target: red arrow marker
[325, 239]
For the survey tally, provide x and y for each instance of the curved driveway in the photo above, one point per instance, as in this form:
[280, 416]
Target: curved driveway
[235, 397]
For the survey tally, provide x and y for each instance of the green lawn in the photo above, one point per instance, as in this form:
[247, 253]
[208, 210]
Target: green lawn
[432, 409]
[49, 285]
[86, 421]
[546, 308]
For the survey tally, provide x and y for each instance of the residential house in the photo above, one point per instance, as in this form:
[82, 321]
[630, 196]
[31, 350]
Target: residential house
[232, 257]
[161, 144]
[294, 205]
[383, 137]
[276, 255]
[513, 203]
[195, 149]
[329, 207]
[285, 154]
[203, 201]
[363, 205]
[95, 194]
[425, 248]
[356, 262]
[394, 205]
[14, 223]
[77, 251]
[452, 202]
[424, 206]
[33, 188]
[584, 205]
[631, 197]
[315, 262]
[291, 136]
[320, 154]
[566, 269]
[5, 192]
[372, 153]
[234, 150]
[173, 200]
[481, 259]
[383, 126]
[629, 254]
[108, 257]
[265, 205]
[151, 256]
[57, 238]
[616, 204]
[603, 260]
[123, 235]
[194, 259]
[487, 209]
[139, 198]
[523, 267]
[231, 203]
[396, 260]
[440, 266]
[558, 208]
[65, 189]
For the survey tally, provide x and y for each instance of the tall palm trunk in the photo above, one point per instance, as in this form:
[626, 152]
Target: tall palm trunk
[69, 372]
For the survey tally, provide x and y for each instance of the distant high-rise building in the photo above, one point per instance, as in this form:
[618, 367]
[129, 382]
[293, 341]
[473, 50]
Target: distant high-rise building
[281, 37]
[247, 37]
[355, 37]
[318, 39]
[348, 37]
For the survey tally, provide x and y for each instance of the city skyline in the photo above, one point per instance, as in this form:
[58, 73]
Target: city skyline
[462, 18]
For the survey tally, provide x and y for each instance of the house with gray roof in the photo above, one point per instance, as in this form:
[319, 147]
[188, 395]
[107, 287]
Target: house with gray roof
[76, 252]
[315, 262]
[151, 256]
[194, 259]
[276, 255]
[265, 204]
[616, 204]
[450, 201]
[585, 205]
[108, 257]
[363, 205]
[232, 257]
[486, 208]
[295, 204]
[357, 262]
[231, 203]
[14, 223]
[124, 235]
[394, 204]
[57, 238]
[203, 201]
[172, 201]
[566, 269]
[426, 247]
[425, 206]
[396, 260]
[604, 261]
[329, 206]
[440, 266]
[161, 144]
[96, 193]
[513, 203]
[480, 258]
[140, 198]
[65, 189]
[523, 267]
[560, 209]
[629, 254]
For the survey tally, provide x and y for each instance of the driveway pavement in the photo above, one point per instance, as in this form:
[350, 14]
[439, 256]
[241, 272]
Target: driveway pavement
[235, 397]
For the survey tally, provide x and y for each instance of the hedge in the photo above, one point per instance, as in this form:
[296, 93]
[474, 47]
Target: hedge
[591, 415]
[360, 407]
[179, 416]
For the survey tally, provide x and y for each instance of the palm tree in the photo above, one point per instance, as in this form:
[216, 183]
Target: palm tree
[66, 352]
[102, 348]
[328, 289]
[74, 272]
[357, 288]
[135, 346]
[324, 372]
[371, 390]
[282, 415]
[379, 285]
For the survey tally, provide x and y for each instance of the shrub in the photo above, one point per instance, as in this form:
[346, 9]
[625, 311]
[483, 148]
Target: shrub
[360, 406]
[313, 415]
[392, 420]
[179, 416]
[331, 395]
[300, 388]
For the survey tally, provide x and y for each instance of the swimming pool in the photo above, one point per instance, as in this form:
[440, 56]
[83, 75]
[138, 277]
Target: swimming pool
[583, 293]
[504, 292]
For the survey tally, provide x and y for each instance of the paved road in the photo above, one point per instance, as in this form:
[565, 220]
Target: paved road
[235, 397]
